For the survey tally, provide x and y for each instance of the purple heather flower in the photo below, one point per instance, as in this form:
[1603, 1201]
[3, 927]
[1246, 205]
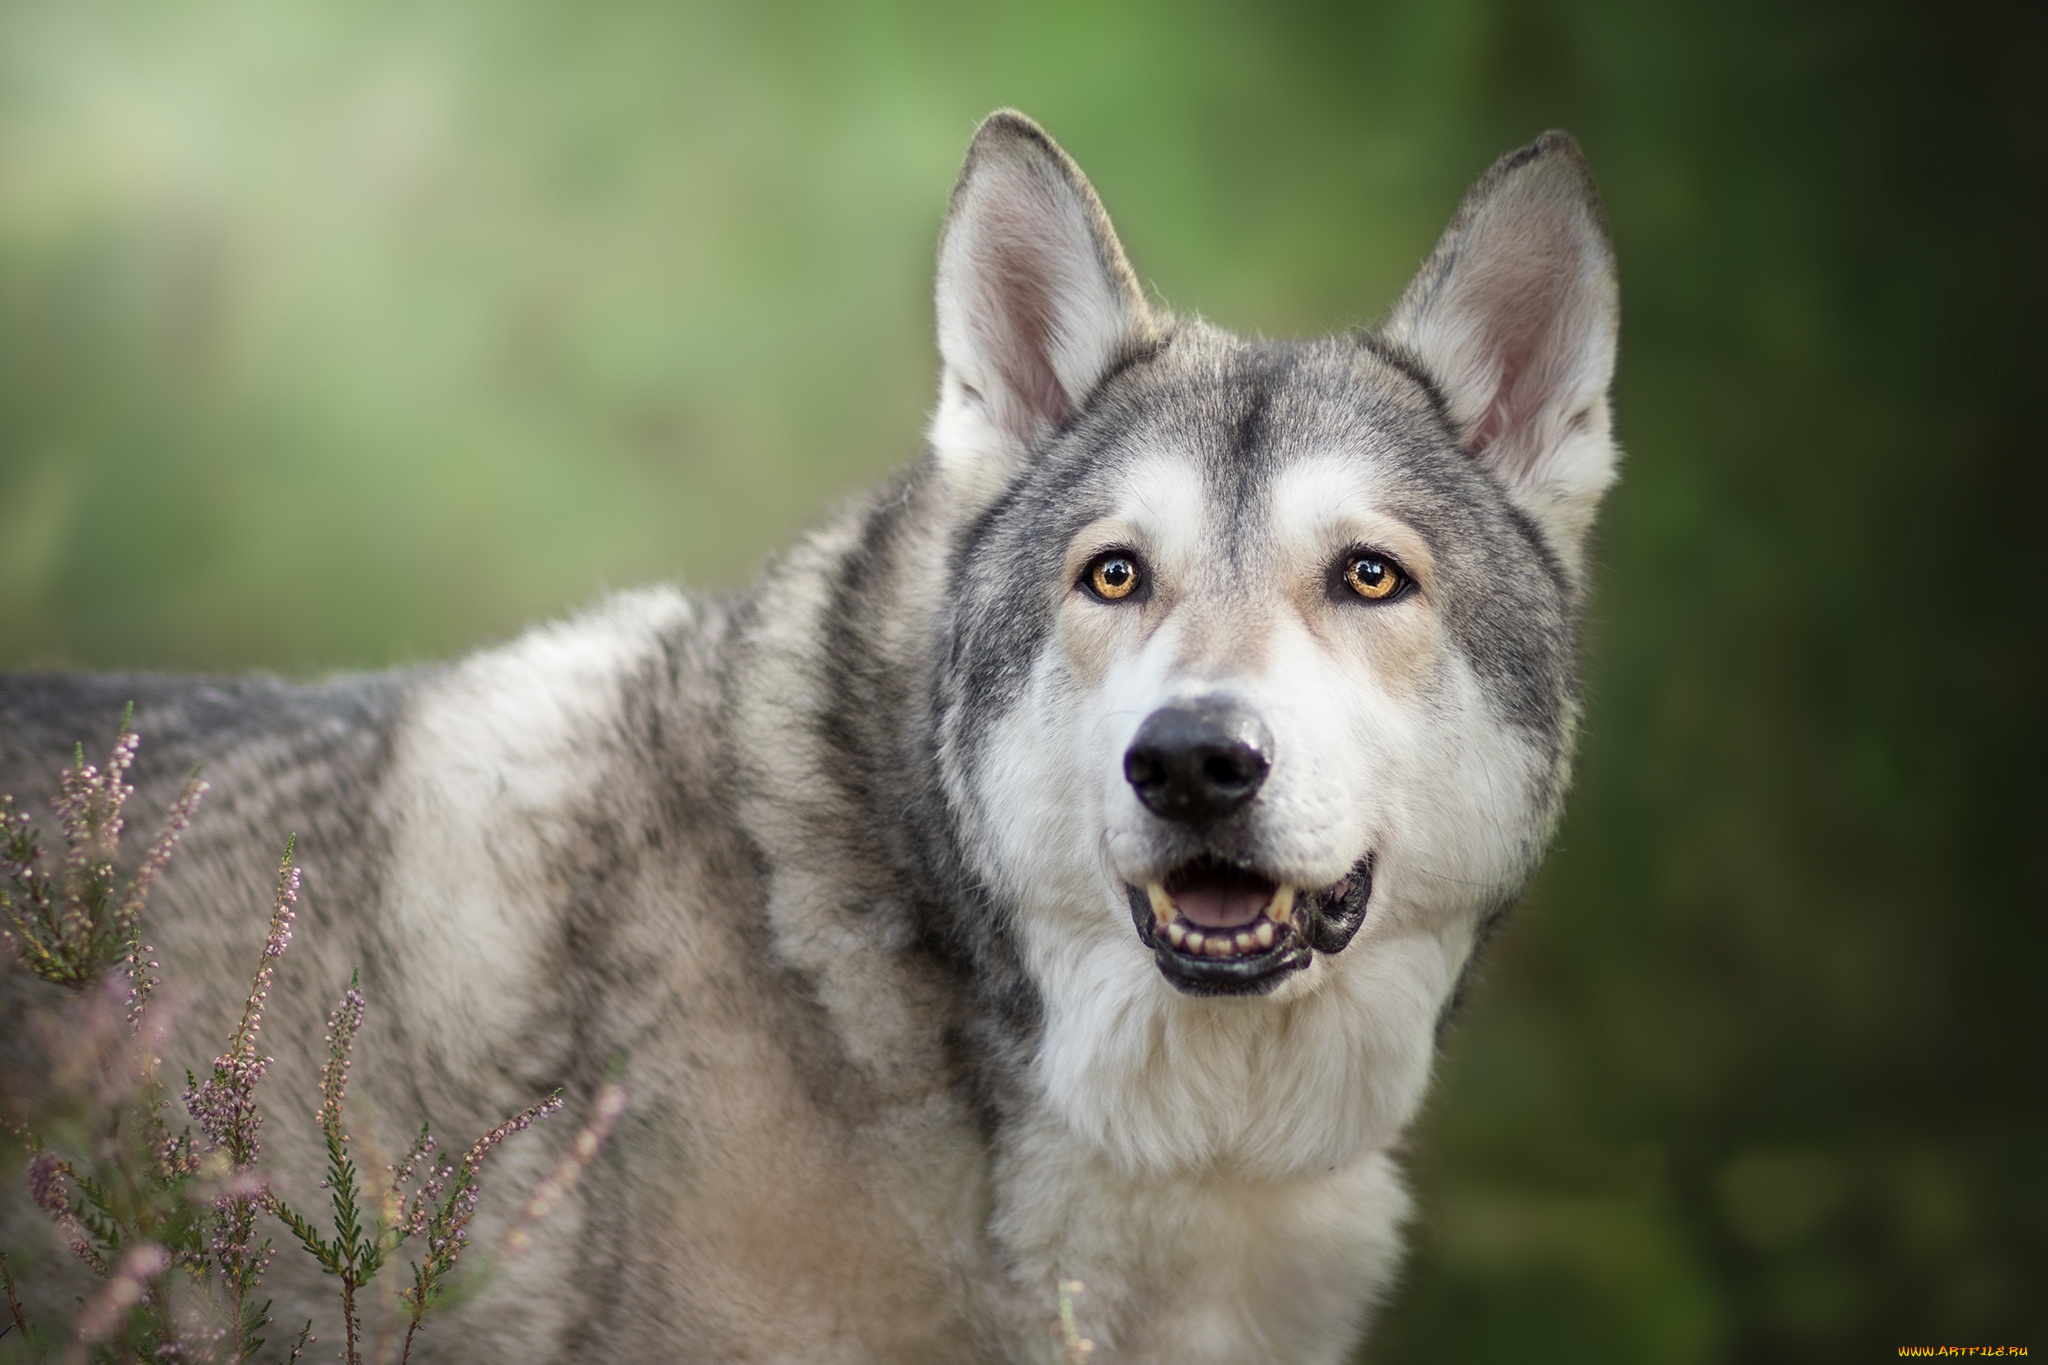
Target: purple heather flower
[583, 1148]
[342, 1026]
[88, 805]
[47, 1188]
[468, 1190]
[127, 924]
[224, 1105]
[46, 1184]
[103, 1315]
[519, 1122]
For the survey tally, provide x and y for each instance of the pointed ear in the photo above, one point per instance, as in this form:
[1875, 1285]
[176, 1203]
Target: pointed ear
[1035, 303]
[1515, 315]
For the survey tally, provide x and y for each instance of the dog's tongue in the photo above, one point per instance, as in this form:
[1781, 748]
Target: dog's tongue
[1222, 903]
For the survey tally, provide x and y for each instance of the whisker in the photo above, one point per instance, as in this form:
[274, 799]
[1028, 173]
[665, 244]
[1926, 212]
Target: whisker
[1446, 877]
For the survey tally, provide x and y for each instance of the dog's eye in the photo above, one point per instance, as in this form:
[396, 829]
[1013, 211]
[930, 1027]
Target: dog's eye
[1372, 575]
[1113, 576]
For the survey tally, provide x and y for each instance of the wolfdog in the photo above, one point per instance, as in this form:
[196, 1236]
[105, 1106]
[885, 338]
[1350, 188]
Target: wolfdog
[1058, 866]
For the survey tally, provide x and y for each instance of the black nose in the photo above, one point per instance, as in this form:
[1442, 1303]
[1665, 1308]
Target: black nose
[1198, 760]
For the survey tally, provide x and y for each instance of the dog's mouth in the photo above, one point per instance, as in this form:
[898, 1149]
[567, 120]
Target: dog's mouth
[1216, 928]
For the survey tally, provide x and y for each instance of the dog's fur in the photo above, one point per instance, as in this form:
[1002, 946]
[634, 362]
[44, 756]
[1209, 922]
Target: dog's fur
[857, 871]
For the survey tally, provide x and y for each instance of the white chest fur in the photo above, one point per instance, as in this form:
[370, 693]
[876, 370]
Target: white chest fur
[1208, 1266]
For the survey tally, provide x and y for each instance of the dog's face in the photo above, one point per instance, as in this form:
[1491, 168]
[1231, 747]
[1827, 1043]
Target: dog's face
[1261, 654]
[1251, 639]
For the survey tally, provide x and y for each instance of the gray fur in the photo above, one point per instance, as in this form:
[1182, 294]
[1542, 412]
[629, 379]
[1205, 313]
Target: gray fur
[755, 848]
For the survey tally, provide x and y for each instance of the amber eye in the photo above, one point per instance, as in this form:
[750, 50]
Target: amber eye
[1372, 576]
[1112, 577]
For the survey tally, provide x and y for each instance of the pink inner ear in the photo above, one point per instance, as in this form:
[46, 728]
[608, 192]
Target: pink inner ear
[1500, 414]
[1025, 354]
[1020, 323]
[1530, 295]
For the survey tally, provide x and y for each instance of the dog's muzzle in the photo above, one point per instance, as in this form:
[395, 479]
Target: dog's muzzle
[1218, 926]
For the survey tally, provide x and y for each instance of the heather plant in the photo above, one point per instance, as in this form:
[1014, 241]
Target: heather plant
[70, 928]
[224, 1107]
[437, 1211]
[171, 1222]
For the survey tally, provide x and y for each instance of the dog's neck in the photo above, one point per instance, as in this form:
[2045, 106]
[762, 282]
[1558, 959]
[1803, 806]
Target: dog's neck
[868, 896]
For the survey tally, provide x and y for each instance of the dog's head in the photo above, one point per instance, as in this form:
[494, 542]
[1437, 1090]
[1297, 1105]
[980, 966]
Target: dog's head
[1260, 671]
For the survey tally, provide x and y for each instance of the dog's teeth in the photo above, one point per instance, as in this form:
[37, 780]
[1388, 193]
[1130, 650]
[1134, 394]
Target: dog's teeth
[1245, 940]
[1264, 933]
[1282, 908]
[1162, 905]
[1195, 939]
[1176, 934]
[1219, 946]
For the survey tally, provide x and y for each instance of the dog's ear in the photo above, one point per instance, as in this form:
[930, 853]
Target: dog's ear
[1035, 303]
[1515, 315]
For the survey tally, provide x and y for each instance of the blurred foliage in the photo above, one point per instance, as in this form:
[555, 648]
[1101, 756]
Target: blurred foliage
[348, 332]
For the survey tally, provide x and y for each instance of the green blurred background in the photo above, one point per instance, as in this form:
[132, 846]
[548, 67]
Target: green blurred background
[338, 334]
